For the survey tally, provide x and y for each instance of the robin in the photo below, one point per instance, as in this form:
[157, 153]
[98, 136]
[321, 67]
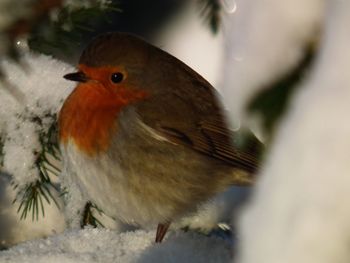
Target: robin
[145, 134]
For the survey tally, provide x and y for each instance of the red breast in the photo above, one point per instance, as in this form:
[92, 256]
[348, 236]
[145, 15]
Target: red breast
[88, 116]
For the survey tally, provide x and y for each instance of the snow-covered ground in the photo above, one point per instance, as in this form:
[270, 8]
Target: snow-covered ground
[13, 229]
[103, 245]
[96, 245]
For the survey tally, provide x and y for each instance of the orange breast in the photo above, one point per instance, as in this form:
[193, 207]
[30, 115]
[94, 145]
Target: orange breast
[88, 117]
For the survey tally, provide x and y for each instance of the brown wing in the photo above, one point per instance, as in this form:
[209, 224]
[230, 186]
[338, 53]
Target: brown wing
[216, 141]
[186, 111]
[222, 146]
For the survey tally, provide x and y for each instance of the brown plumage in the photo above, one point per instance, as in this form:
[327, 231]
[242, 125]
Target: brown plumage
[148, 132]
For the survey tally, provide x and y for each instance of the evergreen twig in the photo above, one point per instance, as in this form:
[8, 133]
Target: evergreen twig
[61, 37]
[210, 10]
[271, 103]
[33, 194]
[1, 151]
[88, 215]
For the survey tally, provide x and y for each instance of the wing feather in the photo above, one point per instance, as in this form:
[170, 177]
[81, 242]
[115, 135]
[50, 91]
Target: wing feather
[188, 112]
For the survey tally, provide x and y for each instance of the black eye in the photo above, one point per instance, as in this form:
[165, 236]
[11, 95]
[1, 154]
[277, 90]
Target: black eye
[117, 77]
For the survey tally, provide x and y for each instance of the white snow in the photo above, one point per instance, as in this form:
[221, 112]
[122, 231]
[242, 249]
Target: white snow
[102, 245]
[33, 89]
[264, 39]
[222, 208]
[15, 230]
[42, 89]
[300, 209]
[190, 39]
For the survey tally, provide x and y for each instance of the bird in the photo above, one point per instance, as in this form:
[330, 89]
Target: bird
[145, 135]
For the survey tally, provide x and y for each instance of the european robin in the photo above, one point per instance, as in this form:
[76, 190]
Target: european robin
[145, 134]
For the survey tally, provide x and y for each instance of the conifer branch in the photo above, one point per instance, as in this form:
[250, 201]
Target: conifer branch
[88, 215]
[33, 194]
[210, 10]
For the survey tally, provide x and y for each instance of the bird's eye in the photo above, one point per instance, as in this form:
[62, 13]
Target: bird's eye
[117, 77]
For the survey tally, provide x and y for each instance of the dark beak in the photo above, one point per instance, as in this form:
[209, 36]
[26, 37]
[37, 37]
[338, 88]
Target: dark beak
[76, 76]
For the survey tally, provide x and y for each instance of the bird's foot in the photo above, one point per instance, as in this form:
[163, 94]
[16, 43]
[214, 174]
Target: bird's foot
[161, 231]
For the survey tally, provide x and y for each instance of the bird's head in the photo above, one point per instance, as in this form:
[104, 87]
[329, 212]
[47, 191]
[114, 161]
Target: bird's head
[111, 75]
[114, 64]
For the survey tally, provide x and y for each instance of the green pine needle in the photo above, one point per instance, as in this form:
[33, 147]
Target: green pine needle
[62, 36]
[33, 194]
[88, 215]
[272, 102]
[31, 201]
[1, 151]
[210, 10]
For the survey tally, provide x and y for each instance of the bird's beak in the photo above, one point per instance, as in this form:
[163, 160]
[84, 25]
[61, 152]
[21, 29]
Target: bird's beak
[76, 76]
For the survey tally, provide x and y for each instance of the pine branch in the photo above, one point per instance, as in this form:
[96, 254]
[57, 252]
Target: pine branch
[1, 151]
[62, 36]
[272, 102]
[210, 10]
[33, 195]
[35, 23]
[32, 200]
[88, 215]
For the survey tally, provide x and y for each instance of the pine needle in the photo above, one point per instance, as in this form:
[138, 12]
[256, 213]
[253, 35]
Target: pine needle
[33, 195]
[210, 10]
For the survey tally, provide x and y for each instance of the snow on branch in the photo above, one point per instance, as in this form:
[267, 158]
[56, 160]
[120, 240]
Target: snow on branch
[299, 211]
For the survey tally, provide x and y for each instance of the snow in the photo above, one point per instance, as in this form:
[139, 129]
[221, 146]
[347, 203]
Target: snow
[38, 82]
[15, 230]
[264, 39]
[189, 38]
[300, 210]
[103, 245]
[41, 85]
[221, 208]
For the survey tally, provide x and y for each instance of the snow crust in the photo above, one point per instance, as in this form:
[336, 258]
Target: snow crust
[264, 39]
[102, 245]
[35, 89]
[189, 38]
[13, 229]
[300, 210]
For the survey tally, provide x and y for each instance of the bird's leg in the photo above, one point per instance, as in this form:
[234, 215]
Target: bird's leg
[161, 231]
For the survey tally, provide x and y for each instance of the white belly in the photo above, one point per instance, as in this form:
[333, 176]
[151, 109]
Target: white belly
[102, 181]
[142, 179]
